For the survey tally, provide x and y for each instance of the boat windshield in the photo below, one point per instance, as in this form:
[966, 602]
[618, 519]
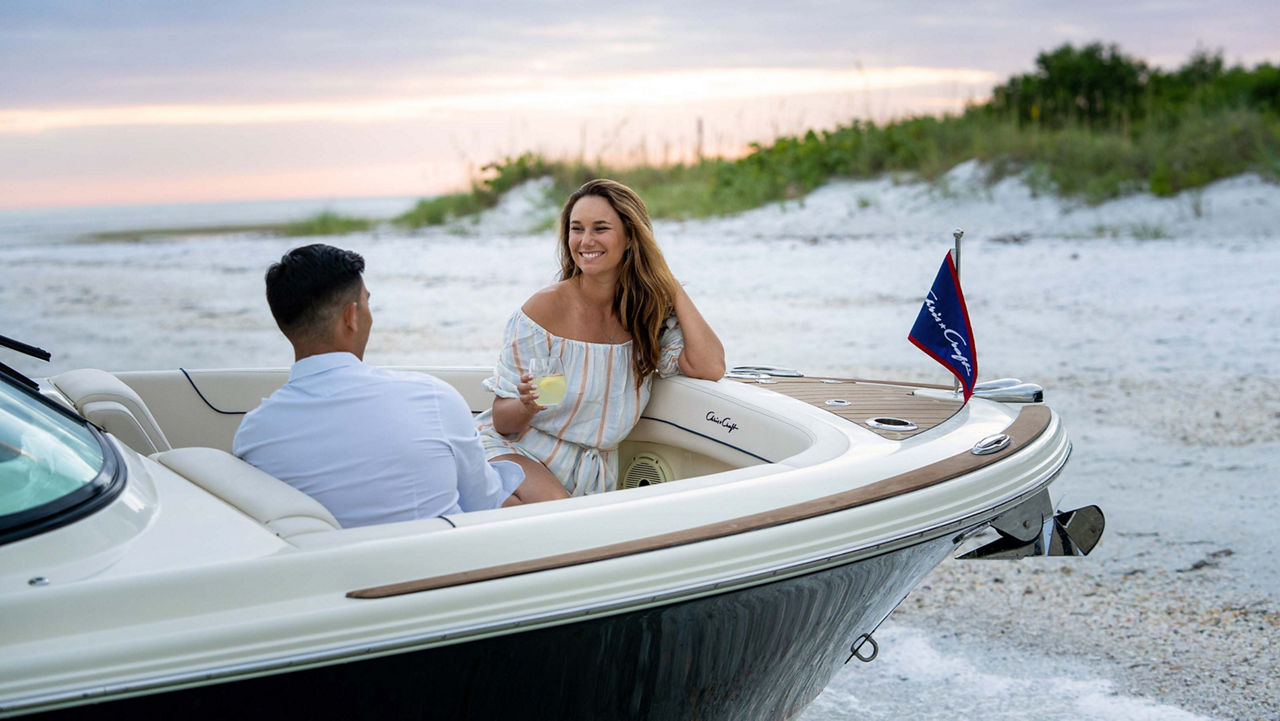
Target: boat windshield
[52, 464]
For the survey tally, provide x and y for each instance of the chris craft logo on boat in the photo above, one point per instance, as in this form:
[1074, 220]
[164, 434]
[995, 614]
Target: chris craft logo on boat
[953, 336]
[722, 422]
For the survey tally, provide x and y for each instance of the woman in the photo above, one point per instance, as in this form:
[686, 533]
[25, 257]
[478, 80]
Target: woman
[615, 319]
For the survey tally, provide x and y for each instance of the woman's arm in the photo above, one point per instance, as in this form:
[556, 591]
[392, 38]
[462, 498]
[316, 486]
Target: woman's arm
[513, 415]
[703, 354]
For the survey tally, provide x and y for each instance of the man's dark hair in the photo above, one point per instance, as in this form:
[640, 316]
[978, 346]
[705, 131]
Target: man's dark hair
[308, 283]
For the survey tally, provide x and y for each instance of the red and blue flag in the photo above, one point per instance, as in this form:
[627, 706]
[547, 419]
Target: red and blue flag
[942, 329]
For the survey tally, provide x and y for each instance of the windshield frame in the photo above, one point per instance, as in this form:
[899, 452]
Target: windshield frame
[83, 501]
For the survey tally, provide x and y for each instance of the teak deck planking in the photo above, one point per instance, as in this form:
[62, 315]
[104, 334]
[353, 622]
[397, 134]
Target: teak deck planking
[868, 399]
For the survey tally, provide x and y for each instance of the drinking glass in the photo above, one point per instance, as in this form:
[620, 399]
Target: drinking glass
[548, 380]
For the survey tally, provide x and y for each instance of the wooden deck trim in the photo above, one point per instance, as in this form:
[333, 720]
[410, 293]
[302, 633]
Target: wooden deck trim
[868, 399]
[879, 382]
[1030, 423]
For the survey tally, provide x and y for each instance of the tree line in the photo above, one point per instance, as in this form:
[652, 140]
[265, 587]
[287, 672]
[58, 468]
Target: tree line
[1098, 86]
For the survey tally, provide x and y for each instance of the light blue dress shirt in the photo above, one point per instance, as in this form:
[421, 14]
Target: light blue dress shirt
[373, 445]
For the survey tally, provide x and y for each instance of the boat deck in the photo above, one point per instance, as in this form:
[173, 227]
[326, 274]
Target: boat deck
[864, 401]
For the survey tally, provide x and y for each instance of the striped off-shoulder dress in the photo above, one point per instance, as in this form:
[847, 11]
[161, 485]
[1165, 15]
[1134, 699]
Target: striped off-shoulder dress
[577, 439]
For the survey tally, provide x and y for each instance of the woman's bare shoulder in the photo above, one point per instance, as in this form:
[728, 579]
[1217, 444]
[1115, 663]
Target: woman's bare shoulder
[547, 306]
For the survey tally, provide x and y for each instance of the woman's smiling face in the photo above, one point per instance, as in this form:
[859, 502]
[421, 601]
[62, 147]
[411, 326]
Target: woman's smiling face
[597, 237]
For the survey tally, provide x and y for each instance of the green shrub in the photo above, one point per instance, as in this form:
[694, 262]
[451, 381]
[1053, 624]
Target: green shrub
[326, 223]
[1089, 123]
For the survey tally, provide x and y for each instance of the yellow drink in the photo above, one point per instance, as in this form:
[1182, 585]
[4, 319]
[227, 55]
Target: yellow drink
[550, 389]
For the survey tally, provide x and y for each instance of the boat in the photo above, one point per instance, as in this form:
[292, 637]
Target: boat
[765, 525]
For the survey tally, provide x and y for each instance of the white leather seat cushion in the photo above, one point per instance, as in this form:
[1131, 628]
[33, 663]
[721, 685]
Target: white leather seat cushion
[284, 509]
[114, 406]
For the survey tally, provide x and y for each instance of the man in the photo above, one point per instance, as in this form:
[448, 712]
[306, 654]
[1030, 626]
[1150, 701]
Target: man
[371, 445]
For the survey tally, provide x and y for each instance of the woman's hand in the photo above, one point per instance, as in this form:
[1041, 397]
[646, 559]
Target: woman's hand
[511, 416]
[529, 395]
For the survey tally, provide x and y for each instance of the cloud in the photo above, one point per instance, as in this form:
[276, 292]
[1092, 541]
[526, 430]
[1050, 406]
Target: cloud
[513, 93]
[73, 53]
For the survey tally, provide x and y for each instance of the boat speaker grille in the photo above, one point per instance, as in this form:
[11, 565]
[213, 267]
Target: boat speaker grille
[646, 469]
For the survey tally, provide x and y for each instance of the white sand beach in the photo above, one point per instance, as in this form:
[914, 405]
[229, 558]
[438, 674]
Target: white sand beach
[1150, 322]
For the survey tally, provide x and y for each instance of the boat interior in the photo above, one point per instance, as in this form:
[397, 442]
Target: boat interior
[694, 433]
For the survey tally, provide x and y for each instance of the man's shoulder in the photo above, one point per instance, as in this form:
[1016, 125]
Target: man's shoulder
[259, 422]
[415, 384]
[400, 376]
[413, 394]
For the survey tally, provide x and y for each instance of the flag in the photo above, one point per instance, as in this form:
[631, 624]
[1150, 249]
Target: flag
[942, 329]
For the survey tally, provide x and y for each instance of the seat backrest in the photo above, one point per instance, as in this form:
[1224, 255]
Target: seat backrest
[275, 504]
[107, 401]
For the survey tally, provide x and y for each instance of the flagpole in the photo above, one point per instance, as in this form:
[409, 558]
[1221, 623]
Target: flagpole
[958, 233]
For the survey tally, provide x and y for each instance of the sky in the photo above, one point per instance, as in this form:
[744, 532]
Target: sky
[142, 101]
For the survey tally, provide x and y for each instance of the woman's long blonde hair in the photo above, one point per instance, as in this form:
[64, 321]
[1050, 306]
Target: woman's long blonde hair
[645, 294]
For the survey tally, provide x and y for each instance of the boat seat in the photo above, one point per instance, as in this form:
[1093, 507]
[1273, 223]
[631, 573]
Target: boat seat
[115, 407]
[275, 504]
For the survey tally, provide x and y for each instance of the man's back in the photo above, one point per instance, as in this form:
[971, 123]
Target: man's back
[373, 446]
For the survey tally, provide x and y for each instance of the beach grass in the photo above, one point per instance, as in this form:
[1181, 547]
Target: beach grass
[154, 234]
[326, 223]
[1091, 124]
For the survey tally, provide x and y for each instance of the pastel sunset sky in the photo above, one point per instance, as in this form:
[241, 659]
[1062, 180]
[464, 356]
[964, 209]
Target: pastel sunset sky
[144, 101]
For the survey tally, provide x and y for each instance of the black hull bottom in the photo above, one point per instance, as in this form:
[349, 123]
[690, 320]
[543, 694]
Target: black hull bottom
[758, 653]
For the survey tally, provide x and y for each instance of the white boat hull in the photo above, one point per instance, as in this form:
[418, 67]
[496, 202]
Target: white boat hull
[731, 594]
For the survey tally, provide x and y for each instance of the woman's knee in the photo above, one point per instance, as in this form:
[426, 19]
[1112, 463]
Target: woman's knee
[540, 484]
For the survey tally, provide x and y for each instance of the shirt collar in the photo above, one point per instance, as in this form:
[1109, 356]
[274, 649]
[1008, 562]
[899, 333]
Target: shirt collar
[314, 364]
